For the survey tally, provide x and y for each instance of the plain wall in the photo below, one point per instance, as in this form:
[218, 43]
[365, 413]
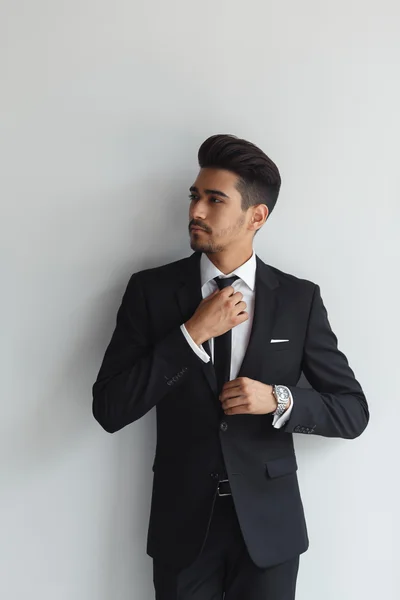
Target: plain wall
[103, 107]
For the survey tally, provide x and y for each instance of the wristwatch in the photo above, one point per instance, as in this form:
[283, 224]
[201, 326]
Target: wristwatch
[282, 396]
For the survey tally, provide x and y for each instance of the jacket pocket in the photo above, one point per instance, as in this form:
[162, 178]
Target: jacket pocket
[281, 466]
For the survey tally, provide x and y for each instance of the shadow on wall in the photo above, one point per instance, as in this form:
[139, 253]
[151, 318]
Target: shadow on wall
[126, 570]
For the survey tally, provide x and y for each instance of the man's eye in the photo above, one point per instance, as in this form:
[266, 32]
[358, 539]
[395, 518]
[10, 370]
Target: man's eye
[193, 197]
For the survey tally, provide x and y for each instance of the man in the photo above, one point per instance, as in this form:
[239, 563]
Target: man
[217, 343]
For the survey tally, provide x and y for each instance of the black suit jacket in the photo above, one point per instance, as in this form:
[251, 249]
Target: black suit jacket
[149, 363]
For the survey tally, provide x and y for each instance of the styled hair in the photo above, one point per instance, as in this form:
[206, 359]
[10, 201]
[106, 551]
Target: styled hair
[259, 178]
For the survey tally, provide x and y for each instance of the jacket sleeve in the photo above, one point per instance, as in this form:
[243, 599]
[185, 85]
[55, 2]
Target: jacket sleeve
[136, 372]
[336, 406]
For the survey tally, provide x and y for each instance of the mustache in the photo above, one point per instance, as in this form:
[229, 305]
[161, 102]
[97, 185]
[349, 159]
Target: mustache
[199, 225]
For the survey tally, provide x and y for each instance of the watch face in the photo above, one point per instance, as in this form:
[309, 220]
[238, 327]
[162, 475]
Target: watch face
[282, 393]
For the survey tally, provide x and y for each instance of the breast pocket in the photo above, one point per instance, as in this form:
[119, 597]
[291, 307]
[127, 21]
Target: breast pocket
[279, 346]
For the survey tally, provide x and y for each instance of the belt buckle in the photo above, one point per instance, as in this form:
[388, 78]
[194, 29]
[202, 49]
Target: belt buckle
[222, 481]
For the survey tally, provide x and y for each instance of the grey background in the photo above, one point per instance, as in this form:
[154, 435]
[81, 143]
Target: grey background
[103, 106]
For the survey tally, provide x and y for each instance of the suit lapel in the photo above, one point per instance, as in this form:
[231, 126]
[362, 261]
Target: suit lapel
[265, 305]
[189, 297]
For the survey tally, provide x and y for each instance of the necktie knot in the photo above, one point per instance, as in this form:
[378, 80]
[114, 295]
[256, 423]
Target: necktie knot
[225, 282]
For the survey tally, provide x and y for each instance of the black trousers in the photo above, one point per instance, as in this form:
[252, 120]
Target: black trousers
[224, 569]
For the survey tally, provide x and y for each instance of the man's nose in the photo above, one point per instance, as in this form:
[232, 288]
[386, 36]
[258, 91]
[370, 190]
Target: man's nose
[198, 211]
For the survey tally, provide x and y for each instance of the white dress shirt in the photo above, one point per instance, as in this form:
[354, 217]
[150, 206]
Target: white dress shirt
[241, 333]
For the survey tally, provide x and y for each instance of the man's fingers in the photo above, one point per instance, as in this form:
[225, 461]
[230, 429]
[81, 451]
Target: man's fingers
[232, 384]
[231, 402]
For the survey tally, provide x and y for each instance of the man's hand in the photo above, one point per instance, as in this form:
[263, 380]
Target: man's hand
[215, 315]
[245, 396]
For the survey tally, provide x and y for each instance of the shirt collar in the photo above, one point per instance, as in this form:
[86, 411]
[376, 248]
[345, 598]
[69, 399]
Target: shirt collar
[246, 272]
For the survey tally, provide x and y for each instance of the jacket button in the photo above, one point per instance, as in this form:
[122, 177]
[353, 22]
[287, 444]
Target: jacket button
[223, 426]
[214, 475]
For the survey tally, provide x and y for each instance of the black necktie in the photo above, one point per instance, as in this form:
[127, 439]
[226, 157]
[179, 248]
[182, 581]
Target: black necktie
[223, 344]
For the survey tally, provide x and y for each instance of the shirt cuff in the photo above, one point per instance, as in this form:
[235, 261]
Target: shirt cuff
[201, 353]
[279, 422]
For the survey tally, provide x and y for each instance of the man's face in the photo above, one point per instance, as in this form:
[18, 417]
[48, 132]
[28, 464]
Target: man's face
[215, 207]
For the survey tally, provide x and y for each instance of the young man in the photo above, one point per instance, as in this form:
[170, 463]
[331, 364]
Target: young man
[217, 343]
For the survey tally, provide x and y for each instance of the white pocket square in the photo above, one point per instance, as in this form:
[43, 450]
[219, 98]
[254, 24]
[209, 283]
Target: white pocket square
[276, 341]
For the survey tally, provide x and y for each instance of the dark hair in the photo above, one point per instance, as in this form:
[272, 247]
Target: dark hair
[259, 178]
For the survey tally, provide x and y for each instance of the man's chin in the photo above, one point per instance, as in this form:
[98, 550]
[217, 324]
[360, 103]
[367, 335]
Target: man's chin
[198, 246]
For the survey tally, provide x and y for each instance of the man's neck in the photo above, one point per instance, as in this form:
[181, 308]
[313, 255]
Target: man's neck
[227, 263]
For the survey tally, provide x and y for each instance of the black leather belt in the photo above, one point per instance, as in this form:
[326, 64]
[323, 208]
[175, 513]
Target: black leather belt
[224, 488]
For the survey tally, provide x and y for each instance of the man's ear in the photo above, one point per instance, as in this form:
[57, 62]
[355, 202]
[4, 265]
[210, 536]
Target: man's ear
[260, 215]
